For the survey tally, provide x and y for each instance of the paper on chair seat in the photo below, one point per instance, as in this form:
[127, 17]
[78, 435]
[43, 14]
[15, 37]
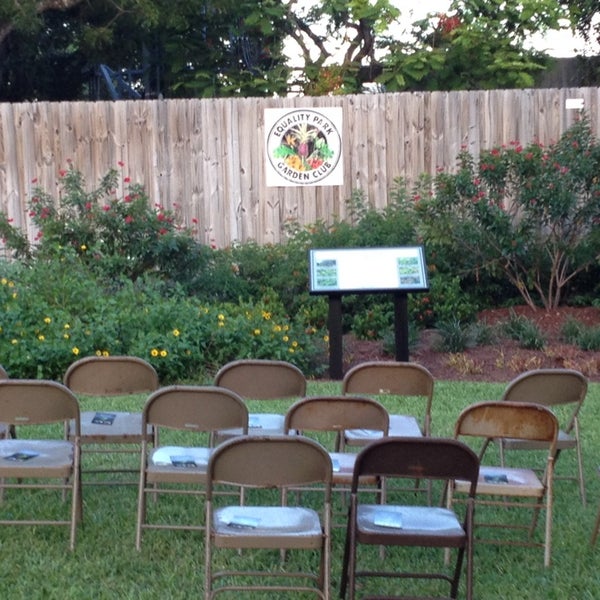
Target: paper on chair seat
[180, 456]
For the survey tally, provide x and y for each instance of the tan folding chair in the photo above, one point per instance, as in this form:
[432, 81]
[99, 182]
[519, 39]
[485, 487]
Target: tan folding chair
[259, 379]
[275, 522]
[336, 414]
[40, 463]
[389, 378]
[108, 431]
[552, 388]
[411, 525]
[509, 487]
[176, 469]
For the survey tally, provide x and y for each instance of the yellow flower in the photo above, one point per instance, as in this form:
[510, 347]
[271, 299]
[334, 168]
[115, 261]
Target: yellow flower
[14, 296]
[83, 247]
[163, 353]
[41, 338]
[292, 350]
[154, 352]
[4, 281]
[257, 332]
[221, 317]
[14, 342]
[285, 338]
[47, 320]
[105, 353]
[75, 350]
[277, 328]
[98, 352]
[11, 284]
[66, 326]
[66, 336]
[295, 344]
[266, 315]
[176, 332]
[326, 338]
[221, 324]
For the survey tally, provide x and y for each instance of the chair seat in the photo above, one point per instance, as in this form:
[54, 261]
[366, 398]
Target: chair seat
[267, 527]
[400, 426]
[564, 441]
[258, 424]
[115, 427]
[178, 464]
[343, 467]
[504, 480]
[410, 522]
[36, 458]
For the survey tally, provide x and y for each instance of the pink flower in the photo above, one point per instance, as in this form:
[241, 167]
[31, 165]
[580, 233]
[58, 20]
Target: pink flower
[121, 163]
[128, 219]
[127, 179]
[34, 180]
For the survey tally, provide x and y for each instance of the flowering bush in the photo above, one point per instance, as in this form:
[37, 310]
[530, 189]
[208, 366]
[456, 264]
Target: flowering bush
[55, 312]
[114, 236]
[530, 214]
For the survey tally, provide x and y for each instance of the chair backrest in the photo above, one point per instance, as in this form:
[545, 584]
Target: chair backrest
[195, 408]
[260, 379]
[36, 402]
[550, 387]
[3, 373]
[392, 378]
[111, 376]
[417, 458]
[505, 419]
[336, 413]
[269, 462]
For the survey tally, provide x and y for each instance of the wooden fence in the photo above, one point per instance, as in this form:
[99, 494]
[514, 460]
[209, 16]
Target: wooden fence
[206, 158]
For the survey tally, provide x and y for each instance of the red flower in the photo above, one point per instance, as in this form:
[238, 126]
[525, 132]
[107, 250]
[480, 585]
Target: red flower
[128, 219]
[127, 179]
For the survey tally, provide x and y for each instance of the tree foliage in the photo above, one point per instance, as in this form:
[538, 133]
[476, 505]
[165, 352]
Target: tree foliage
[477, 44]
[50, 49]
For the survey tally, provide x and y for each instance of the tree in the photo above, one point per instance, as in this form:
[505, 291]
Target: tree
[478, 44]
[529, 213]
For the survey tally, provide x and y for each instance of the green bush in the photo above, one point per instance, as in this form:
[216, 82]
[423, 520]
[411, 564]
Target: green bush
[525, 331]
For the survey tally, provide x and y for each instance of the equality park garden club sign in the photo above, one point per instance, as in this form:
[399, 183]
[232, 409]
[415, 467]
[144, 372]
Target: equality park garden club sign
[303, 146]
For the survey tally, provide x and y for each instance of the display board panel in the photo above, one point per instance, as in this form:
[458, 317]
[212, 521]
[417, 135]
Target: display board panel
[367, 270]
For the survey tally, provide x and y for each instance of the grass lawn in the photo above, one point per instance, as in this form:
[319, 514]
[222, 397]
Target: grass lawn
[36, 562]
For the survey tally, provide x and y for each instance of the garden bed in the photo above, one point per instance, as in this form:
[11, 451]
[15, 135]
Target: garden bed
[501, 361]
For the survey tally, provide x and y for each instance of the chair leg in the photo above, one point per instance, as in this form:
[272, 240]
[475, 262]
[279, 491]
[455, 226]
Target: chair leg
[595, 530]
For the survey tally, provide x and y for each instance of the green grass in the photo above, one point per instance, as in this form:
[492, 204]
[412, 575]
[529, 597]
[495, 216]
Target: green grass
[36, 561]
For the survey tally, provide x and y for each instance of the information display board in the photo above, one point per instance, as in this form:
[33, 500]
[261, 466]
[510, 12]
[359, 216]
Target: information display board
[367, 270]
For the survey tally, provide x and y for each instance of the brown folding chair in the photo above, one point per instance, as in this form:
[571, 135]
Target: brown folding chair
[386, 379]
[510, 487]
[108, 430]
[176, 469]
[596, 524]
[336, 414]
[36, 462]
[553, 388]
[260, 379]
[411, 525]
[275, 521]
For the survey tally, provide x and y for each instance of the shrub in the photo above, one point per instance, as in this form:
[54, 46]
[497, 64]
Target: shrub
[525, 331]
[528, 214]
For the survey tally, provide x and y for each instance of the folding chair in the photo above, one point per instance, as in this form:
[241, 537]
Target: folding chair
[39, 462]
[553, 388]
[270, 521]
[259, 379]
[108, 431]
[509, 487]
[176, 469]
[596, 525]
[390, 378]
[336, 414]
[411, 525]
